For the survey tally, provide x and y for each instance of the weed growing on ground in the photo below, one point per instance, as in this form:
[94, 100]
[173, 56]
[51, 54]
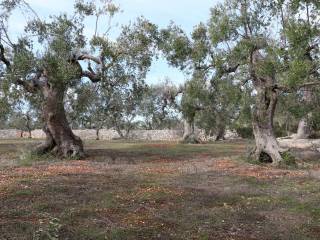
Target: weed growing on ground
[288, 160]
[28, 158]
[48, 230]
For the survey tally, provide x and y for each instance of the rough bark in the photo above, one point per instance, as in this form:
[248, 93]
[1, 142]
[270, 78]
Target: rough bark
[220, 134]
[30, 134]
[267, 148]
[59, 136]
[97, 134]
[119, 131]
[189, 134]
[49, 143]
[28, 125]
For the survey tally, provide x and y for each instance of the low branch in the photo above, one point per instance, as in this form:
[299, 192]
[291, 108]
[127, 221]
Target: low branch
[92, 76]
[28, 86]
[293, 89]
[32, 85]
[231, 69]
[89, 57]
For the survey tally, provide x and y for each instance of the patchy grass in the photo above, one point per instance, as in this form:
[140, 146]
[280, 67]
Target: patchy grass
[126, 190]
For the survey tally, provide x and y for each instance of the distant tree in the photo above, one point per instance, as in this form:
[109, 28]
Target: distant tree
[23, 121]
[125, 106]
[96, 107]
[300, 33]
[160, 106]
[212, 109]
[88, 108]
[238, 45]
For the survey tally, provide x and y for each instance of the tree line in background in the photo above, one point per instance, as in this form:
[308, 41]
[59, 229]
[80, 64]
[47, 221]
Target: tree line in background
[253, 67]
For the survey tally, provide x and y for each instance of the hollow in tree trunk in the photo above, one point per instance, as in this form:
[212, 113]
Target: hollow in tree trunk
[59, 136]
[267, 148]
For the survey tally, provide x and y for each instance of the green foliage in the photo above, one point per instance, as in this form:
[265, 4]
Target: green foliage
[288, 159]
[222, 26]
[160, 106]
[299, 72]
[28, 158]
[245, 132]
[175, 45]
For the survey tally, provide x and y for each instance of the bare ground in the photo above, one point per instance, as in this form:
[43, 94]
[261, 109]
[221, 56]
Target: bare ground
[155, 191]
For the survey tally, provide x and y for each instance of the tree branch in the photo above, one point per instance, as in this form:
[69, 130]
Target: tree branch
[33, 84]
[292, 89]
[89, 57]
[3, 57]
[92, 76]
[231, 69]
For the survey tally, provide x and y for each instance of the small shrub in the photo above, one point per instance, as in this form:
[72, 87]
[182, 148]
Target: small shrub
[27, 158]
[24, 193]
[288, 159]
[48, 230]
[245, 132]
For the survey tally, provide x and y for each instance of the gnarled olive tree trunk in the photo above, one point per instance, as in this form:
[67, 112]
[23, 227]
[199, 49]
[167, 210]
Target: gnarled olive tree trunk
[59, 136]
[267, 148]
[220, 130]
[189, 134]
[98, 133]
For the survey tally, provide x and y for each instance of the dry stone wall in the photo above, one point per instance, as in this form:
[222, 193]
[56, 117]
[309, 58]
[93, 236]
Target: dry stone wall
[9, 134]
[111, 134]
[105, 134]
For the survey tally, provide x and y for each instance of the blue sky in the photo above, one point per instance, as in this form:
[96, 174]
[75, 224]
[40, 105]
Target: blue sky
[185, 13]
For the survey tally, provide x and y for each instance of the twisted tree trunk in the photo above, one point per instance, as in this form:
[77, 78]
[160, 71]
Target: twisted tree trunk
[220, 134]
[267, 148]
[189, 134]
[97, 134]
[59, 136]
[221, 130]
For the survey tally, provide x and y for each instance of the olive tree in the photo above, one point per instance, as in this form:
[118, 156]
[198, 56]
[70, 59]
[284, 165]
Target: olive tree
[239, 44]
[49, 59]
[160, 107]
[300, 31]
